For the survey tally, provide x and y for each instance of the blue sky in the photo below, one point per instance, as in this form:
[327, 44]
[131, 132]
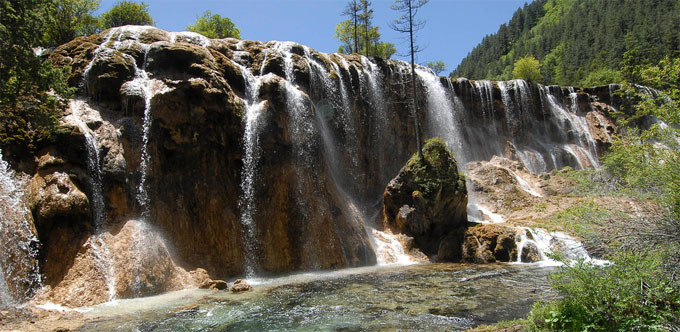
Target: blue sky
[453, 27]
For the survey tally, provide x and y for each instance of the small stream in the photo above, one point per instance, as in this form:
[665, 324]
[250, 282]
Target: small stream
[426, 297]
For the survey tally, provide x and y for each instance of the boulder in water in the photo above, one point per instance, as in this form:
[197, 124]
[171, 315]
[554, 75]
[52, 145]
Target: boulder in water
[530, 253]
[490, 243]
[240, 285]
[428, 198]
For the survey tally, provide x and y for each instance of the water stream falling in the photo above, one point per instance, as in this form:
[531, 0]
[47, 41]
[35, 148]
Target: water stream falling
[441, 119]
[100, 251]
[19, 273]
[547, 243]
[251, 137]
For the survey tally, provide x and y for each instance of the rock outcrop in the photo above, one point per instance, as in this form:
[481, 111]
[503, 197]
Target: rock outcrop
[428, 199]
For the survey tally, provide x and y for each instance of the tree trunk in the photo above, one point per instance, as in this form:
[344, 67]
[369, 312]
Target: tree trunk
[413, 83]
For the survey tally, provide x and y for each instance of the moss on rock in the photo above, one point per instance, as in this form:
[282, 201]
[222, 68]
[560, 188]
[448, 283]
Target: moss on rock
[428, 199]
[436, 169]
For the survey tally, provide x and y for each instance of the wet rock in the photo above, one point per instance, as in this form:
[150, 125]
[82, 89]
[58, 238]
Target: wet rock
[204, 281]
[109, 70]
[490, 243]
[240, 285]
[530, 253]
[55, 195]
[427, 200]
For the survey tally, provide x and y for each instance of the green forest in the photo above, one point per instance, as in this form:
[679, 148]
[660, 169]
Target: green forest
[587, 43]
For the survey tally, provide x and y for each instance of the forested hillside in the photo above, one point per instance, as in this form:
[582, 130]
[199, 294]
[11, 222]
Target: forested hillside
[579, 42]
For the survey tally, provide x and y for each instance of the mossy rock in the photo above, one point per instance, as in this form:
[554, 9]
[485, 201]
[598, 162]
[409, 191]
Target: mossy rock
[436, 169]
[428, 199]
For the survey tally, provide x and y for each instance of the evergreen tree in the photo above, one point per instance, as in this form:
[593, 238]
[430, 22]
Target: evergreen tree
[579, 42]
[366, 17]
[436, 66]
[352, 11]
[344, 32]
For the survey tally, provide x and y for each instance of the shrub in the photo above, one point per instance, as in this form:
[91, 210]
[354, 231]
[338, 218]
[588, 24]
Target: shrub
[527, 68]
[127, 13]
[634, 293]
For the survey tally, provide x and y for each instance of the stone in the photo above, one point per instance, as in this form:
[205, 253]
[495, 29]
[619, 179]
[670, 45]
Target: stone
[214, 285]
[490, 243]
[240, 285]
[530, 253]
[54, 195]
[428, 198]
[109, 70]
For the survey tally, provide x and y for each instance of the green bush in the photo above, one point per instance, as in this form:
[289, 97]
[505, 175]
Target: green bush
[215, 26]
[126, 13]
[437, 167]
[602, 76]
[527, 68]
[633, 293]
[32, 91]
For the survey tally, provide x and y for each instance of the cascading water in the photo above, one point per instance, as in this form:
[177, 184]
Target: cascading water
[100, 252]
[548, 243]
[19, 275]
[77, 107]
[251, 136]
[441, 114]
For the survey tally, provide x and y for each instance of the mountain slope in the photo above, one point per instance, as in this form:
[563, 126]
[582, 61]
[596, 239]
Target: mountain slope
[578, 41]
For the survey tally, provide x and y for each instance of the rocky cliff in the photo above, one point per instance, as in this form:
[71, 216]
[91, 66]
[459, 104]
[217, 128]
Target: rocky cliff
[183, 153]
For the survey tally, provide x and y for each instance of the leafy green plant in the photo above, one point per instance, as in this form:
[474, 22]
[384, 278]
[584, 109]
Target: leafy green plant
[633, 293]
[215, 26]
[68, 19]
[436, 167]
[527, 68]
[126, 13]
[32, 91]
[647, 158]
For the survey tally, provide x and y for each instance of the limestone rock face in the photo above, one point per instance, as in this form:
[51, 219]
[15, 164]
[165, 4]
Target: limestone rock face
[490, 243]
[191, 100]
[131, 261]
[427, 199]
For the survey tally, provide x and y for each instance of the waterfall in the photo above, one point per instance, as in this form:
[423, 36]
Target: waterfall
[546, 243]
[94, 172]
[142, 79]
[251, 137]
[19, 274]
[441, 115]
[100, 251]
[117, 39]
[343, 136]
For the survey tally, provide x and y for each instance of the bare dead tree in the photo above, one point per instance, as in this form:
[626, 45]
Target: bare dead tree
[366, 18]
[407, 24]
[352, 11]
